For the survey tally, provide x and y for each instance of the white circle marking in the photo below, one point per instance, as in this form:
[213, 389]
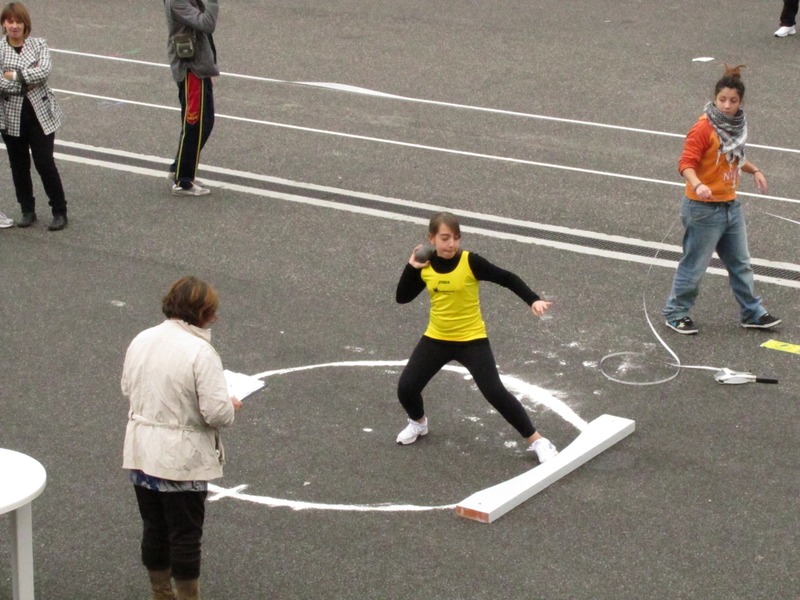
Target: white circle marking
[522, 389]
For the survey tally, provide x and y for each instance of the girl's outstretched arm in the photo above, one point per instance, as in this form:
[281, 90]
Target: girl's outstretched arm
[486, 271]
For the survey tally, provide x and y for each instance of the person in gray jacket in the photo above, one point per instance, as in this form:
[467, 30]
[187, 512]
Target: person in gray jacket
[193, 74]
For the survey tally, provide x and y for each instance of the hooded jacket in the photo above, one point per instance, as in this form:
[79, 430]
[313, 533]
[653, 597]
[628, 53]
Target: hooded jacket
[187, 15]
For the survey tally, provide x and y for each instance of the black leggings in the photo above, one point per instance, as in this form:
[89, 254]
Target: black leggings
[428, 359]
[173, 528]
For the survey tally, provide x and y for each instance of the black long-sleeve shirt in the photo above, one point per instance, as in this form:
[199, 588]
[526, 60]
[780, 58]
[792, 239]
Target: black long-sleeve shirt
[411, 284]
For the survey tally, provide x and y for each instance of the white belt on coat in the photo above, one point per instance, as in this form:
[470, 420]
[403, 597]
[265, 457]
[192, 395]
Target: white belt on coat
[217, 439]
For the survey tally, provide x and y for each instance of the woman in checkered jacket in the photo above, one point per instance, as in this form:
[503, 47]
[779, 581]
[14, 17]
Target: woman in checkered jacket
[29, 115]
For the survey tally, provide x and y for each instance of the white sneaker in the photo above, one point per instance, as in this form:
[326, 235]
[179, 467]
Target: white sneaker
[783, 31]
[412, 431]
[544, 449]
[5, 221]
[195, 190]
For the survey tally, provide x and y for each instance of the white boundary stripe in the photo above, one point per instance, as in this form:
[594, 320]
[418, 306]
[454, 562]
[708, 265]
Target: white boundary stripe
[387, 200]
[341, 87]
[410, 203]
[425, 147]
[298, 505]
[528, 391]
[430, 207]
[784, 218]
[423, 221]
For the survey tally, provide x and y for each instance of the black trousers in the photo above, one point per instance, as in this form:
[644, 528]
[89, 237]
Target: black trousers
[431, 355]
[33, 141]
[789, 13]
[197, 115]
[173, 529]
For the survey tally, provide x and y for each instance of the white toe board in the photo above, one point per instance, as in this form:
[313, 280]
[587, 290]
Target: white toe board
[492, 503]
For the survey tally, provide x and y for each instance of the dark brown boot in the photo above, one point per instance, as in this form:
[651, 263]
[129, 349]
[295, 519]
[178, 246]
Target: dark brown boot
[161, 582]
[188, 589]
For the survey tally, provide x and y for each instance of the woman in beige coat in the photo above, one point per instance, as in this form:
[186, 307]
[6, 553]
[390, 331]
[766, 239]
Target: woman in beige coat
[174, 380]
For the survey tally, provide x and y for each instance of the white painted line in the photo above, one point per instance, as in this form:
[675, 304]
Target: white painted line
[115, 152]
[426, 147]
[526, 390]
[492, 503]
[423, 221]
[299, 505]
[223, 492]
[118, 100]
[542, 397]
[594, 235]
[342, 87]
[107, 57]
[784, 218]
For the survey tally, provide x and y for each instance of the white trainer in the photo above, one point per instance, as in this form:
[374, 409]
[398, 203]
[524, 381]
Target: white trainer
[195, 190]
[5, 221]
[783, 31]
[412, 431]
[544, 449]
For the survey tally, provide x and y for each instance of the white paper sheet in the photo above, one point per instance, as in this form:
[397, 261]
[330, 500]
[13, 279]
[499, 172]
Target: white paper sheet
[240, 385]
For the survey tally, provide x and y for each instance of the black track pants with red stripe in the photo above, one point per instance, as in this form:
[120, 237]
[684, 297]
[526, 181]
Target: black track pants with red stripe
[197, 114]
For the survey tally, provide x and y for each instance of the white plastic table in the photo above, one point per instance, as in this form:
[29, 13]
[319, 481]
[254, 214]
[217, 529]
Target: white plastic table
[22, 479]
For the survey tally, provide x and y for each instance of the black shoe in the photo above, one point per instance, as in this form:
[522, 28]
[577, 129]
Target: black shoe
[685, 326]
[765, 321]
[27, 219]
[59, 222]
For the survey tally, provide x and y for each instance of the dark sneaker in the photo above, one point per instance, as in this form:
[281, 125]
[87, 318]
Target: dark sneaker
[685, 325]
[59, 222]
[765, 321]
[27, 219]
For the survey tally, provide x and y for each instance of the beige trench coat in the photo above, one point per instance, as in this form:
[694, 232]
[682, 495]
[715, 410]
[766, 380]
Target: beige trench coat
[178, 398]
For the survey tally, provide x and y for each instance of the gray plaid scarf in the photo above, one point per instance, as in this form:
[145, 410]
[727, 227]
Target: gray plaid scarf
[732, 132]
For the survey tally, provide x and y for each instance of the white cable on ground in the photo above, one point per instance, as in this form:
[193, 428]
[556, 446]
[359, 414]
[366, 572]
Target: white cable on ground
[722, 375]
[655, 333]
[658, 337]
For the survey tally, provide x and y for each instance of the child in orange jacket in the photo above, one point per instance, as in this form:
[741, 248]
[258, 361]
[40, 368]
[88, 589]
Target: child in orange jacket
[713, 156]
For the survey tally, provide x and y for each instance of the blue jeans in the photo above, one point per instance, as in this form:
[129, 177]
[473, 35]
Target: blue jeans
[713, 226]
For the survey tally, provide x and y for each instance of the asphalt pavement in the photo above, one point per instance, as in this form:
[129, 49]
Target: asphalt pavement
[553, 128]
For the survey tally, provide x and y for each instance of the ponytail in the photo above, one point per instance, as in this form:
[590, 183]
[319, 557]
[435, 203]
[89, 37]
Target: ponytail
[732, 79]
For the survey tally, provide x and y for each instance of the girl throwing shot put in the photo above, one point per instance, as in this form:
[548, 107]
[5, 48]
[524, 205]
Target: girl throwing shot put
[456, 330]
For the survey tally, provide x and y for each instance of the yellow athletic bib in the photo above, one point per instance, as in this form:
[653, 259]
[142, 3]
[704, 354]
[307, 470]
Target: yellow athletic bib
[455, 303]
